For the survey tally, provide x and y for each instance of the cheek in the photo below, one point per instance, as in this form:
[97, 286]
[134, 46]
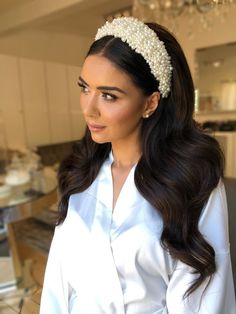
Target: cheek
[124, 114]
[81, 102]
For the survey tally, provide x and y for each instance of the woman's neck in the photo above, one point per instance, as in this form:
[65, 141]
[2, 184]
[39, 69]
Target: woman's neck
[125, 156]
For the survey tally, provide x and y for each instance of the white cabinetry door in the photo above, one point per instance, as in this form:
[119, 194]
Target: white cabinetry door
[227, 141]
[11, 103]
[234, 156]
[35, 102]
[77, 121]
[58, 98]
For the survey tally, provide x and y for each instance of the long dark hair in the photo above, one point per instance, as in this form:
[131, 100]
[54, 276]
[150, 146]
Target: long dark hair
[180, 164]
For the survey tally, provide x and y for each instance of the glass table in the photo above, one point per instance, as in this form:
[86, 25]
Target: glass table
[22, 202]
[17, 205]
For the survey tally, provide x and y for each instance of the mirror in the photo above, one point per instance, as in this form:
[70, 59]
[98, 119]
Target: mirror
[216, 78]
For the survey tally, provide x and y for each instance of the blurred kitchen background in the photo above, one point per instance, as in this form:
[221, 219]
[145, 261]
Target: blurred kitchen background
[42, 47]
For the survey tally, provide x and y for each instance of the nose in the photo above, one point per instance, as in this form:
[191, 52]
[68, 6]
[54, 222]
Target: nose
[89, 105]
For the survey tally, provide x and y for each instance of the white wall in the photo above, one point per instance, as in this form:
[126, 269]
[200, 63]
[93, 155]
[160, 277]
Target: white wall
[45, 46]
[220, 32]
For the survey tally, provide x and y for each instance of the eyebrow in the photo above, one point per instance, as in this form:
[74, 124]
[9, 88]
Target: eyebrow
[109, 88]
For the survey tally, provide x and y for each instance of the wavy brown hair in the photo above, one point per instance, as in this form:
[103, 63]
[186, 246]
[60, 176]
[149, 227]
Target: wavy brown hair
[180, 164]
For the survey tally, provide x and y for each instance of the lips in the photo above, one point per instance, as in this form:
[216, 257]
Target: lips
[93, 127]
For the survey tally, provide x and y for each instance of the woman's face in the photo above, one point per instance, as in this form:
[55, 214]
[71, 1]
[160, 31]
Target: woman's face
[111, 104]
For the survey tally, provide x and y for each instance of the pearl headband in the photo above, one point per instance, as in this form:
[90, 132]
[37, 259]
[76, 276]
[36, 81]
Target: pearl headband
[144, 41]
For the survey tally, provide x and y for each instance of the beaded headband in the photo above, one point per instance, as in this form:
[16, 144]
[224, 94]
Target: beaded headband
[144, 41]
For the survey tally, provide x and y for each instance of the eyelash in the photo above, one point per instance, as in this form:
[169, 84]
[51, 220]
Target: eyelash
[82, 86]
[104, 95]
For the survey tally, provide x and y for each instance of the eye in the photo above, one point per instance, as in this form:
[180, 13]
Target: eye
[109, 97]
[84, 88]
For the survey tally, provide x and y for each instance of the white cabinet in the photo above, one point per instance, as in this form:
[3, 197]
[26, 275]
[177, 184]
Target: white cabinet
[32, 79]
[39, 102]
[227, 141]
[58, 102]
[11, 102]
[77, 121]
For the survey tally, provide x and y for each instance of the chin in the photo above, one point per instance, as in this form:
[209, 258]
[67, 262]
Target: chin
[99, 140]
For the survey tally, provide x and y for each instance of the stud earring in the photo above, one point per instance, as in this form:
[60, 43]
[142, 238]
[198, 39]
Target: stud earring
[146, 115]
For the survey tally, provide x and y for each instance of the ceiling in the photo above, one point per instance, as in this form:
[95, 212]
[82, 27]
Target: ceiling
[80, 17]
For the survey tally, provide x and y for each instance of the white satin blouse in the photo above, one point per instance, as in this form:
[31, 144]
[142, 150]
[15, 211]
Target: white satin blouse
[104, 262]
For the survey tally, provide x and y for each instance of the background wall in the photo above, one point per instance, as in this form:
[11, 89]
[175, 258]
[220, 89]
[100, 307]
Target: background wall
[39, 98]
[46, 46]
[220, 32]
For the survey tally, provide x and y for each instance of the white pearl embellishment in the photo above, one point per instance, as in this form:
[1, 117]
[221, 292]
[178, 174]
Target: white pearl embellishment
[144, 41]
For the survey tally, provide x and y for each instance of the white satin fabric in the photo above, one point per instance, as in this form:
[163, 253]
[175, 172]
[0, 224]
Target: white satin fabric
[112, 263]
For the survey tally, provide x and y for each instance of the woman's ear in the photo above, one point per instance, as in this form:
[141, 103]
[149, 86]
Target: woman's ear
[151, 105]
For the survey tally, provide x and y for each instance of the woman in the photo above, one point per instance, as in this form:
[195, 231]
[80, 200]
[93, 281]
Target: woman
[143, 215]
